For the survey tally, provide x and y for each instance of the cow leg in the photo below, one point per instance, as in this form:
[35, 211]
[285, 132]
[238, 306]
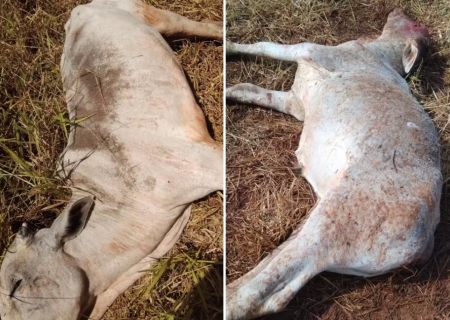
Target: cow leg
[173, 25]
[285, 102]
[105, 300]
[272, 50]
[342, 234]
[275, 280]
[167, 23]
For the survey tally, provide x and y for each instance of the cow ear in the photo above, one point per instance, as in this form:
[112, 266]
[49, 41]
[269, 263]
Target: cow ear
[410, 56]
[71, 222]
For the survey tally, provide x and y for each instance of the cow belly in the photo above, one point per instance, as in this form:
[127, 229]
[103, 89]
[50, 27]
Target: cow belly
[323, 160]
[372, 131]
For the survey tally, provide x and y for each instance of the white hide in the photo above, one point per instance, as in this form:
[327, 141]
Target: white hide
[142, 150]
[370, 152]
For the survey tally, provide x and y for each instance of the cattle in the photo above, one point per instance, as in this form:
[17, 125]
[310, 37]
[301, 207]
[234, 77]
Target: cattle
[138, 154]
[369, 151]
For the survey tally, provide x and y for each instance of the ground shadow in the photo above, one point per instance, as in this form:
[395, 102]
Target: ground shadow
[206, 298]
[432, 70]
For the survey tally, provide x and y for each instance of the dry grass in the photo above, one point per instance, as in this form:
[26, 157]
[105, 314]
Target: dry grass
[266, 200]
[188, 282]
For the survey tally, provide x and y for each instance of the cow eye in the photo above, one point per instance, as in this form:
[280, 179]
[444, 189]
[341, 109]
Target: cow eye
[16, 286]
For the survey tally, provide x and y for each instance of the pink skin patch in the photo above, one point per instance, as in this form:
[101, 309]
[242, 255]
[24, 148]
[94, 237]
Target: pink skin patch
[408, 25]
[417, 28]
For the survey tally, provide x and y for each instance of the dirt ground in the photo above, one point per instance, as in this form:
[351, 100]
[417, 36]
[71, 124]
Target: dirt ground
[266, 199]
[188, 282]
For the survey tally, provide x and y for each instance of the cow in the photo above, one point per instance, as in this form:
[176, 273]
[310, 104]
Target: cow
[369, 151]
[138, 154]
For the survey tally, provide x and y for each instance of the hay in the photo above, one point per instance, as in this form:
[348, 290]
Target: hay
[33, 126]
[266, 200]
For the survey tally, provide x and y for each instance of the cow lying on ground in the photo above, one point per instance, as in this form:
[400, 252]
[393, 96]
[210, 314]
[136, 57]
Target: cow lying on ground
[368, 149]
[142, 155]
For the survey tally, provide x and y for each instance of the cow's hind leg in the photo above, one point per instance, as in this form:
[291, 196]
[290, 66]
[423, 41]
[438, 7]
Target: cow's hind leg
[169, 24]
[173, 25]
[285, 102]
[275, 280]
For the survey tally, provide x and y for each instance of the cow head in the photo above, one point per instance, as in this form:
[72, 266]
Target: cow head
[414, 36]
[38, 279]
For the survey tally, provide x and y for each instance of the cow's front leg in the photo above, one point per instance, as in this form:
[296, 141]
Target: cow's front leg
[272, 50]
[285, 102]
[106, 299]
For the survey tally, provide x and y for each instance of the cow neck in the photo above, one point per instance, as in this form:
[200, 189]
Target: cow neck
[390, 51]
[114, 240]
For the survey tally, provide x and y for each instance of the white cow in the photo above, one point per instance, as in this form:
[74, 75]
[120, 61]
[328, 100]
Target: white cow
[368, 149]
[143, 153]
